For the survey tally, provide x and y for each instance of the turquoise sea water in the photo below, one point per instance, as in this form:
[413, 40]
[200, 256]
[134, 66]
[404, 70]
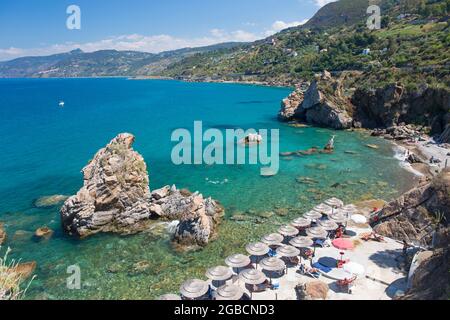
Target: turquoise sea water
[44, 148]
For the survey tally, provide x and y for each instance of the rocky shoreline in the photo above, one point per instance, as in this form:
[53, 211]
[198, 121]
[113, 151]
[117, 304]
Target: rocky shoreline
[420, 216]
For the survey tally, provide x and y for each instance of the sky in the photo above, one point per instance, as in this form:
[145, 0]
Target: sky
[30, 27]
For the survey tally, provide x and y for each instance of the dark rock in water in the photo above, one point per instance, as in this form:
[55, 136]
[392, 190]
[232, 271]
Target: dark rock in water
[140, 267]
[2, 234]
[116, 198]
[413, 158]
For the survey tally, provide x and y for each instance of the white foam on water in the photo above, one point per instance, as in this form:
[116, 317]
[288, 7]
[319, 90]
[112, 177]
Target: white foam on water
[400, 155]
[172, 227]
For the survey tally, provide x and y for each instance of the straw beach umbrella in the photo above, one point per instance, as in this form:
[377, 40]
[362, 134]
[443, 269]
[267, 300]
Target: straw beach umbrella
[194, 288]
[237, 261]
[301, 242]
[339, 218]
[273, 239]
[170, 296]
[229, 292]
[288, 231]
[317, 232]
[252, 276]
[273, 264]
[219, 273]
[328, 225]
[334, 202]
[323, 209]
[313, 215]
[288, 251]
[301, 222]
[350, 209]
[257, 249]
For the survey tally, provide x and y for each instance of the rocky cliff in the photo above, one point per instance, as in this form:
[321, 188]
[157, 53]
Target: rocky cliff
[421, 216]
[323, 104]
[116, 197]
[415, 215]
[338, 102]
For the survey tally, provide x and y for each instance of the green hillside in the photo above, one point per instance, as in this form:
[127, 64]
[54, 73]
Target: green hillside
[413, 44]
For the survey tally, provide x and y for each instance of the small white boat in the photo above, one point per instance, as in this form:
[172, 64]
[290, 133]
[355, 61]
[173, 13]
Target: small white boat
[61, 104]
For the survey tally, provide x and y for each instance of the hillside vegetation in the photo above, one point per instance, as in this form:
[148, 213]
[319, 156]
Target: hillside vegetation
[412, 45]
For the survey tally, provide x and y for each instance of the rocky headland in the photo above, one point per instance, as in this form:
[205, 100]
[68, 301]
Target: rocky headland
[336, 102]
[116, 198]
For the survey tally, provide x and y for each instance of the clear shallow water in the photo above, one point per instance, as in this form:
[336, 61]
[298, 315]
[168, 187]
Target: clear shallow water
[44, 148]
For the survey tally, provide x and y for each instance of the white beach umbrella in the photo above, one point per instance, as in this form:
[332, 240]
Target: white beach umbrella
[354, 268]
[359, 219]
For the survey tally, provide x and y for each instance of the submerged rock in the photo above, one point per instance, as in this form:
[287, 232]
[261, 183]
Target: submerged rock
[49, 201]
[43, 233]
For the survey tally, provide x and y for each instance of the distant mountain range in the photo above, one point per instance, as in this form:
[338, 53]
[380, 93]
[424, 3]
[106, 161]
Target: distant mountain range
[412, 45]
[102, 63]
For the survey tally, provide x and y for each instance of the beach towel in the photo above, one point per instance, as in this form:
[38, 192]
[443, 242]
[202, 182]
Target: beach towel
[321, 267]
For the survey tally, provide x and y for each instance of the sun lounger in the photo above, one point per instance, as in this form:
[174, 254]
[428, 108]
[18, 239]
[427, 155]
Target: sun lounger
[321, 267]
[346, 284]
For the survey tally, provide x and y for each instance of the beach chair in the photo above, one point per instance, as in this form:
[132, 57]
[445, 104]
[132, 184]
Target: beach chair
[346, 284]
[319, 243]
[321, 267]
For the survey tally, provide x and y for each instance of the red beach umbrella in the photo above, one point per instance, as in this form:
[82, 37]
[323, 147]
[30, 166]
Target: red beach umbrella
[343, 244]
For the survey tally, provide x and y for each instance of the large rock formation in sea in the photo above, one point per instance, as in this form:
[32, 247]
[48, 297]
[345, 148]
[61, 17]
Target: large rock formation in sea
[116, 198]
[338, 103]
[290, 105]
[198, 217]
[323, 104]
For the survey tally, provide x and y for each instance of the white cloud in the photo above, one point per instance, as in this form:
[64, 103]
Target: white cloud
[321, 3]
[149, 43]
[277, 26]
